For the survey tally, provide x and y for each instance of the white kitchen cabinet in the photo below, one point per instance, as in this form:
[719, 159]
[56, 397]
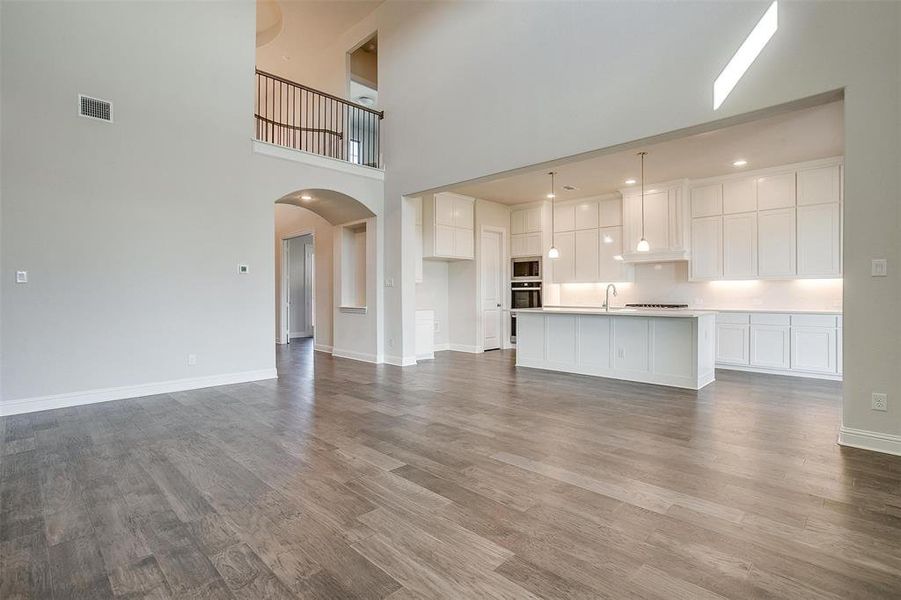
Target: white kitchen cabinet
[707, 200]
[739, 195]
[819, 240]
[610, 212]
[770, 345]
[740, 246]
[611, 266]
[665, 223]
[776, 243]
[563, 267]
[819, 185]
[732, 343]
[447, 226]
[570, 216]
[525, 220]
[525, 244]
[813, 349]
[707, 248]
[776, 191]
[585, 269]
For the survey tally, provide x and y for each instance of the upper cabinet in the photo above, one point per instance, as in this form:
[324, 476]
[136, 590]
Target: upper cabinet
[526, 228]
[665, 222]
[447, 226]
[783, 223]
[588, 233]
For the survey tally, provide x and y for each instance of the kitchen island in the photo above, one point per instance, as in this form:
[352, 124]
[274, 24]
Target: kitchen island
[665, 347]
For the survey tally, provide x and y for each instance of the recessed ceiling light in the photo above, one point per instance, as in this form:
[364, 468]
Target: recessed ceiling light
[618, 257]
[570, 188]
[550, 196]
[306, 197]
[285, 57]
[740, 163]
[631, 182]
[608, 239]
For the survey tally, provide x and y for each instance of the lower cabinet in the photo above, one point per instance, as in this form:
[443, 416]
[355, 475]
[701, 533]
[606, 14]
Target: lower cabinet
[770, 346]
[796, 344]
[814, 349]
[732, 345]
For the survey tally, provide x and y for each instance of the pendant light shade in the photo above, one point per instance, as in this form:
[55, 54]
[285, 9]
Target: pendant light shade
[643, 245]
[553, 252]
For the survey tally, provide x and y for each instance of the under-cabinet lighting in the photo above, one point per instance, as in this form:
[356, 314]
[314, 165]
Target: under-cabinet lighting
[746, 54]
[735, 283]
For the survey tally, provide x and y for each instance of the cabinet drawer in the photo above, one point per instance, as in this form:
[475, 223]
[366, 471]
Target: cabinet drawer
[770, 319]
[733, 317]
[814, 320]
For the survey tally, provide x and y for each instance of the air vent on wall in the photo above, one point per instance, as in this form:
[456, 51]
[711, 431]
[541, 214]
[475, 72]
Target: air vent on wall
[94, 108]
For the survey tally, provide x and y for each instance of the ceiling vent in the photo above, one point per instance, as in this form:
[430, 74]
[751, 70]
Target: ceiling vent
[95, 108]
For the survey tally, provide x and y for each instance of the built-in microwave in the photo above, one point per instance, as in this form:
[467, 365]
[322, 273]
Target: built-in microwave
[527, 269]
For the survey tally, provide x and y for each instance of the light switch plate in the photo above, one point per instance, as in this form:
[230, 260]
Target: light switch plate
[389, 282]
[21, 276]
[879, 267]
[243, 269]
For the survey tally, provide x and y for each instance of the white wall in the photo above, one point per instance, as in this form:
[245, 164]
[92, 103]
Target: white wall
[132, 231]
[291, 220]
[668, 282]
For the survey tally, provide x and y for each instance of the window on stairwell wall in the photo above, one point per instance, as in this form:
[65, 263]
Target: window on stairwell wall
[362, 89]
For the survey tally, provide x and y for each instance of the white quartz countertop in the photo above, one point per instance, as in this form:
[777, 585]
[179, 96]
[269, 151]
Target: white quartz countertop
[788, 311]
[679, 313]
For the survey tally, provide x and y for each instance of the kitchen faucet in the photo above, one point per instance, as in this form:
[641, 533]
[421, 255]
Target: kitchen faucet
[607, 298]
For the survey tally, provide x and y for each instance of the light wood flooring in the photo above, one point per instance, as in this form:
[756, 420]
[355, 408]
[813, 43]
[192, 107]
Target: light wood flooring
[458, 478]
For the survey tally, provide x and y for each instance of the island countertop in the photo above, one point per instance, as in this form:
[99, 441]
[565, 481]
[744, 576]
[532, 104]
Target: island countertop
[681, 313]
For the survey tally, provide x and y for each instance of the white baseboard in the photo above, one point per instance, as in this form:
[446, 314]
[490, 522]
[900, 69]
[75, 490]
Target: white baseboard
[26, 405]
[322, 348]
[426, 356]
[465, 348]
[787, 373]
[870, 440]
[352, 355]
[399, 361]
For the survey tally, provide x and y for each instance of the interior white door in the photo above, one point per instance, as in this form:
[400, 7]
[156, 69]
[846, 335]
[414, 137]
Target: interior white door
[492, 288]
[299, 284]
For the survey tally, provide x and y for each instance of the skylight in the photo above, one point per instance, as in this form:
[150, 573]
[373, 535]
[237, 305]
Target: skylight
[746, 55]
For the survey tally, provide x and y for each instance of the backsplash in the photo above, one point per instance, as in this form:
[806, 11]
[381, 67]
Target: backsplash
[668, 282]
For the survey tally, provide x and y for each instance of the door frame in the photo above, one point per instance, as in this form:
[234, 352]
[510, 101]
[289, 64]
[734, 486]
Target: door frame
[505, 280]
[283, 334]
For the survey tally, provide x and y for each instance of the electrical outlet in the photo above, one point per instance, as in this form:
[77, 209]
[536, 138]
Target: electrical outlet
[243, 269]
[879, 401]
[21, 276]
[620, 353]
[879, 267]
[389, 282]
[437, 327]
[192, 360]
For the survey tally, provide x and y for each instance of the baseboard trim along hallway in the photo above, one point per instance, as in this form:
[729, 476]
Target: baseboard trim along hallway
[870, 440]
[26, 405]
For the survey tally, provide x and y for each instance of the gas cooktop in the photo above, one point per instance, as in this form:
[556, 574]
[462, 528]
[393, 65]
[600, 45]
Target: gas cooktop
[657, 305]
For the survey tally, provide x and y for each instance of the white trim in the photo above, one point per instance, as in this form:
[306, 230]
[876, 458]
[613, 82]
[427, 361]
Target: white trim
[352, 310]
[317, 160]
[352, 355]
[26, 405]
[870, 440]
[465, 348]
[322, 348]
[398, 361]
[793, 373]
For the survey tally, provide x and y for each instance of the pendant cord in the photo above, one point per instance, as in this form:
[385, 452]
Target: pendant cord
[641, 154]
[553, 198]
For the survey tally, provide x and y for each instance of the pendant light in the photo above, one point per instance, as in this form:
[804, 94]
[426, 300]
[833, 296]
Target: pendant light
[553, 252]
[643, 245]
